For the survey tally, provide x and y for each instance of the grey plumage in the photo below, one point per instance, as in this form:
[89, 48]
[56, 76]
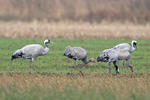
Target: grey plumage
[31, 51]
[124, 51]
[110, 56]
[77, 53]
[127, 47]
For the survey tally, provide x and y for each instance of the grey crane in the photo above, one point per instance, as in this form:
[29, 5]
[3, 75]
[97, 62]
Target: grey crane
[77, 53]
[110, 56]
[124, 51]
[31, 51]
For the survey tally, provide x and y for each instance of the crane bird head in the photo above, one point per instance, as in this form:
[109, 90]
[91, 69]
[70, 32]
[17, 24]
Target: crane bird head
[48, 41]
[102, 57]
[134, 43]
[92, 60]
[17, 54]
[67, 51]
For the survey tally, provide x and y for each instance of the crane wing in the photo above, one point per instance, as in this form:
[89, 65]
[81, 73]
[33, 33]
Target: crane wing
[122, 47]
[33, 50]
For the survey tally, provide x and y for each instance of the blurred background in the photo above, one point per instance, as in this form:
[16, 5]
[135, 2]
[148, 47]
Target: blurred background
[76, 10]
[92, 14]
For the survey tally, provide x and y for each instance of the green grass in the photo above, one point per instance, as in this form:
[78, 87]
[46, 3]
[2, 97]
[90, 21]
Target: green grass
[69, 93]
[55, 62]
[49, 94]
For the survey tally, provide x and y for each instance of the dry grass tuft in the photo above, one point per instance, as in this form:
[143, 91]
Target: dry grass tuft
[73, 30]
[119, 84]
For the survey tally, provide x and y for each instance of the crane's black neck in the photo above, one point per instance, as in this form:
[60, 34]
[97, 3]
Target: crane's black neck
[46, 45]
[86, 61]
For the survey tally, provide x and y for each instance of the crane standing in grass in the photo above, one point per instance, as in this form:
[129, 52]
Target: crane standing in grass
[110, 56]
[77, 53]
[124, 51]
[31, 51]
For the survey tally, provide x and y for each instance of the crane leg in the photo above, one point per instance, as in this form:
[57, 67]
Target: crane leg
[131, 67]
[31, 61]
[117, 69]
[109, 65]
[74, 65]
[123, 64]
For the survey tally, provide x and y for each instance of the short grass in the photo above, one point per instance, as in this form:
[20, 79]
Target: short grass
[55, 62]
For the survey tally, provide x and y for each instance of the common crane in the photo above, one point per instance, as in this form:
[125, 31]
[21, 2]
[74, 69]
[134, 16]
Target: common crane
[77, 53]
[110, 56]
[124, 51]
[31, 51]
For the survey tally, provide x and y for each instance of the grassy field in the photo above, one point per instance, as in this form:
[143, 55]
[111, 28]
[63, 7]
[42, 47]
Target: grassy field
[55, 62]
[54, 77]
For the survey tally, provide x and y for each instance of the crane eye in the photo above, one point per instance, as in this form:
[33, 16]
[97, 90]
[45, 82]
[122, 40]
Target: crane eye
[134, 43]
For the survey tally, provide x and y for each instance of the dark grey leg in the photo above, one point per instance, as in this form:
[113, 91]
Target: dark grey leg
[123, 64]
[109, 65]
[31, 61]
[128, 63]
[117, 69]
[75, 64]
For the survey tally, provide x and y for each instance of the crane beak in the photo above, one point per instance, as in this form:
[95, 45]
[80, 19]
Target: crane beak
[52, 42]
[96, 62]
[12, 58]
